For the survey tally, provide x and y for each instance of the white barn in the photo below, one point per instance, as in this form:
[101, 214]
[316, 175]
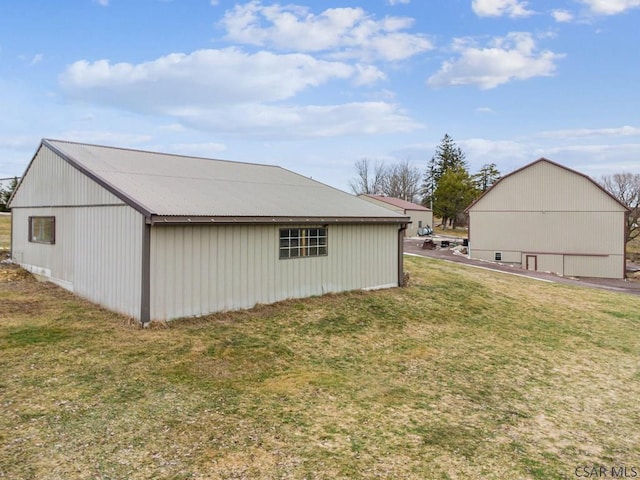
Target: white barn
[549, 218]
[157, 236]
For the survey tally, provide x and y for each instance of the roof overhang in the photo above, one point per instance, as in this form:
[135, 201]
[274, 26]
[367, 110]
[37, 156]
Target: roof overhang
[225, 220]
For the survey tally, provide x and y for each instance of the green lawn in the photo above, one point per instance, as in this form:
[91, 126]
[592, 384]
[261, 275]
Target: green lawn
[463, 374]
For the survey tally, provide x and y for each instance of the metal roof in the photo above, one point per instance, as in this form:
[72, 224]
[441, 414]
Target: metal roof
[176, 188]
[397, 202]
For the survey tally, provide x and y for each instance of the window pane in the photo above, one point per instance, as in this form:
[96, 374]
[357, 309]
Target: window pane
[42, 229]
[302, 242]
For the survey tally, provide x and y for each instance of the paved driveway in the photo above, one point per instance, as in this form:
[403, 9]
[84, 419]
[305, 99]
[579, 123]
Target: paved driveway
[413, 246]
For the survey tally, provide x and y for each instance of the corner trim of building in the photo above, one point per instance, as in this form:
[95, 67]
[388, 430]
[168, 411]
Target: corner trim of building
[401, 231]
[145, 292]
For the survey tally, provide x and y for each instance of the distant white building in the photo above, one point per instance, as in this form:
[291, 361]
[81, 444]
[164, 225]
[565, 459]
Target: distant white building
[158, 236]
[420, 215]
[549, 218]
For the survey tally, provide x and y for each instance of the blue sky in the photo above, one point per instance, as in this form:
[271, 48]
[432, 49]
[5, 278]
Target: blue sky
[314, 86]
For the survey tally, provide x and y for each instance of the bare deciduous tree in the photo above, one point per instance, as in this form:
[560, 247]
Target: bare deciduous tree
[626, 188]
[370, 179]
[402, 180]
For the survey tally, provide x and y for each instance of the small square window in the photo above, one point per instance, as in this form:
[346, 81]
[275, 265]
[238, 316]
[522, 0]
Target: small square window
[498, 256]
[42, 230]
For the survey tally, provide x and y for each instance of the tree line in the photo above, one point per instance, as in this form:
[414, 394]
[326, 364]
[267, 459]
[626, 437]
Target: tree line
[6, 192]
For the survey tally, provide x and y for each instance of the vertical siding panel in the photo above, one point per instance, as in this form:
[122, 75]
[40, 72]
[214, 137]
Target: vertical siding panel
[204, 269]
[242, 266]
[228, 271]
[107, 261]
[52, 181]
[220, 283]
[242, 272]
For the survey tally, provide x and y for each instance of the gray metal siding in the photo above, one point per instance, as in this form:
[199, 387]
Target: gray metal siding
[108, 263]
[54, 262]
[97, 253]
[197, 270]
[416, 217]
[50, 181]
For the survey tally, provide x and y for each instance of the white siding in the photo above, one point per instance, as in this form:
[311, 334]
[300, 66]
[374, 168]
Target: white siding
[550, 232]
[50, 181]
[97, 253]
[584, 266]
[197, 270]
[544, 186]
[548, 263]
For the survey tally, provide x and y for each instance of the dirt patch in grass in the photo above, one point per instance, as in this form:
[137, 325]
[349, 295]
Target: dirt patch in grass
[13, 273]
[465, 374]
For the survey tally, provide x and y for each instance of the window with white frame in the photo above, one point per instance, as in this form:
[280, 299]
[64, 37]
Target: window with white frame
[303, 242]
[42, 230]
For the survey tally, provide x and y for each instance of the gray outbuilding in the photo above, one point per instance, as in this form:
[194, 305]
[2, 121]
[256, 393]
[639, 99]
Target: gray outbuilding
[547, 217]
[159, 236]
[420, 215]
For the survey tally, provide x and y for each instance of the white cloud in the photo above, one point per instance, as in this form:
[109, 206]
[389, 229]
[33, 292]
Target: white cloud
[482, 149]
[104, 3]
[336, 32]
[310, 121]
[484, 110]
[514, 57]
[208, 78]
[623, 131]
[499, 8]
[229, 91]
[399, 2]
[562, 16]
[105, 137]
[596, 159]
[611, 7]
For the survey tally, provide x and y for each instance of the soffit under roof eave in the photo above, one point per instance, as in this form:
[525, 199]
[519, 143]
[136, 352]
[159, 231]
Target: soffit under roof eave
[226, 220]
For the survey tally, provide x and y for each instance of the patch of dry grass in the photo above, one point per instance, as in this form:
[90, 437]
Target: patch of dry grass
[464, 374]
[633, 250]
[5, 232]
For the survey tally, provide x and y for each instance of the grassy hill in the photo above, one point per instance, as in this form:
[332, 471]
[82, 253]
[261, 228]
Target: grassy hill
[464, 374]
